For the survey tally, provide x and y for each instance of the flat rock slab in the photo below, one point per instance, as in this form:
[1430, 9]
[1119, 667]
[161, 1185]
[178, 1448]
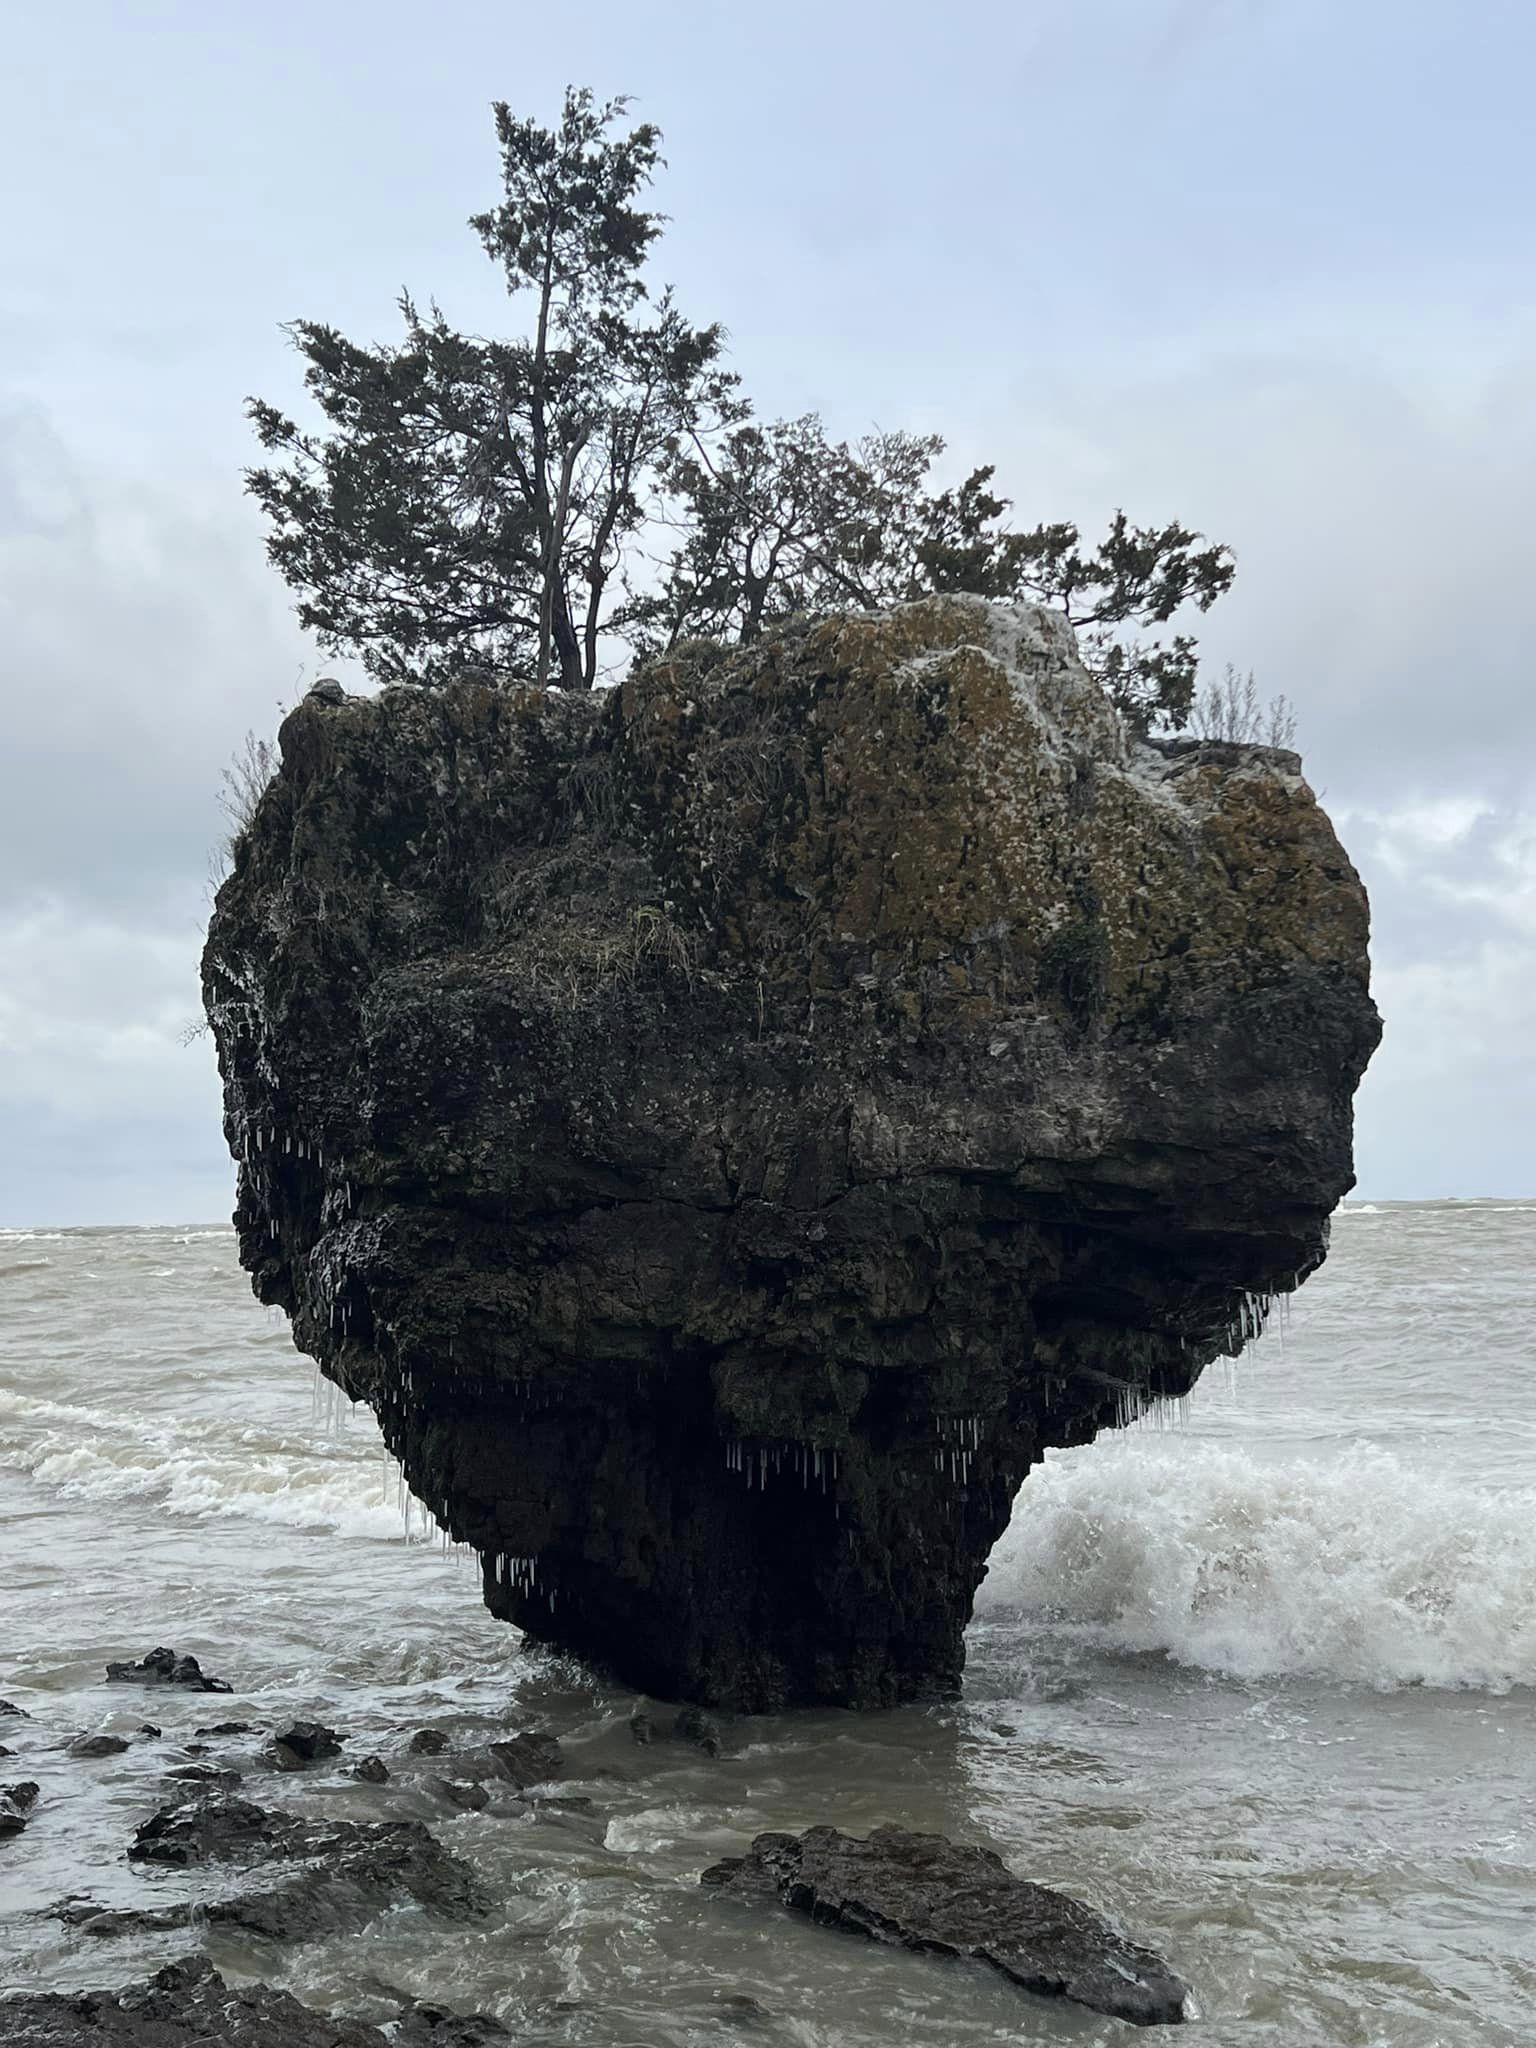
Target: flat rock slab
[331, 1876]
[925, 1892]
[189, 2003]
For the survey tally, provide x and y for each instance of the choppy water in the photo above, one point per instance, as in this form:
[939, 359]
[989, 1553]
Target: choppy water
[1264, 1686]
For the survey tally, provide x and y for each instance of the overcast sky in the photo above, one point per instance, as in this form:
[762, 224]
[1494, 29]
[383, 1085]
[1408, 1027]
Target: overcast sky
[1264, 265]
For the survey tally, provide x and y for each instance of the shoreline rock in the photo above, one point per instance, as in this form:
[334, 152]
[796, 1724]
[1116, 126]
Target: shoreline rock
[16, 1803]
[927, 1893]
[313, 1877]
[301, 1744]
[165, 1667]
[188, 2003]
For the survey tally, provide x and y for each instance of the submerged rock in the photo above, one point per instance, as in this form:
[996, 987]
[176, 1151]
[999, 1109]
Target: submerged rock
[924, 1892]
[728, 1128]
[97, 1745]
[188, 2003]
[164, 1667]
[468, 1798]
[695, 1726]
[531, 1758]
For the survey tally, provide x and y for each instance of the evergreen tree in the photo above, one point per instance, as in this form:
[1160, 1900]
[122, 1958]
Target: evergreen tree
[782, 521]
[476, 503]
[471, 501]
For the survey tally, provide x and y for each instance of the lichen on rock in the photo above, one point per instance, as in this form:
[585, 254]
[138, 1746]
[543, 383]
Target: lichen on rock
[727, 1128]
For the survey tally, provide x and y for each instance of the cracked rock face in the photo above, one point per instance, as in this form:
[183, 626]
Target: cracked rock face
[728, 1128]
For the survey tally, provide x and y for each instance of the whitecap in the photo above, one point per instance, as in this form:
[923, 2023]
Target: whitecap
[202, 1469]
[1365, 1568]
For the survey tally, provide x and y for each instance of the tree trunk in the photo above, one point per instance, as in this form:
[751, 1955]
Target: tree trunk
[547, 529]
[557, 605]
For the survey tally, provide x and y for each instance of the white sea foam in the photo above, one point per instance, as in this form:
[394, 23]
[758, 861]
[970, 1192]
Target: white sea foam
[1364, 1568]
[191, 1469]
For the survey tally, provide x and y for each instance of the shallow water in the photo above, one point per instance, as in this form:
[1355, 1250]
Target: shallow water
[1263, 1684]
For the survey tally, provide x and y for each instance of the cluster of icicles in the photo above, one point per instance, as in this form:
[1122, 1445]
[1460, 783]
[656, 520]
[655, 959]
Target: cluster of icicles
[522, 1575]
[1171, 1411]
[257, 1138]
[757, 1461]
[959, 1440]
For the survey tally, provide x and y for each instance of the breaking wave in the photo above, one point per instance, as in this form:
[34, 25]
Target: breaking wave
[1364, 1569]
[207, 1469]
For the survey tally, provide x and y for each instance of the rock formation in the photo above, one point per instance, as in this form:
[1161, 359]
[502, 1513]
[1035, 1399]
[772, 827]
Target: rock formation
[728, 1127]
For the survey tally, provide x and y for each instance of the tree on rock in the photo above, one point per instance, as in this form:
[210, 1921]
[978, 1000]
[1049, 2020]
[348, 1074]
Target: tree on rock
[517, 507]
[780, 521]
[472, 500]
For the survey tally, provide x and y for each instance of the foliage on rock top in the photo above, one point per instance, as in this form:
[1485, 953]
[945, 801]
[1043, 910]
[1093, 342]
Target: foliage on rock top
[530, 507]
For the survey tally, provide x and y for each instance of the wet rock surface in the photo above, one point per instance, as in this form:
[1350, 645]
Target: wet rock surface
[531, 1758]
[699, 1729]
[927, 1893]
[16, 1804]
[189, 2005]
[728, 1128]
[467, 1798]
[313, 1877]
[97, 1745]
[165, 1667]
[301, 1744]
[225, 1777]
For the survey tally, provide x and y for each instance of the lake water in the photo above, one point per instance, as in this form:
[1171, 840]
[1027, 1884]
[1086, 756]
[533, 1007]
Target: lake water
[1261, 1682]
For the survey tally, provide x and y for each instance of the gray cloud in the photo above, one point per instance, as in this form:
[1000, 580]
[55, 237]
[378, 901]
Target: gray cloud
[143, 635]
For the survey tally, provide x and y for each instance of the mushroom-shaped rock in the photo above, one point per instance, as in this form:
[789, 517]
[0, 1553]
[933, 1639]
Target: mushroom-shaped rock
[729, 1127]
